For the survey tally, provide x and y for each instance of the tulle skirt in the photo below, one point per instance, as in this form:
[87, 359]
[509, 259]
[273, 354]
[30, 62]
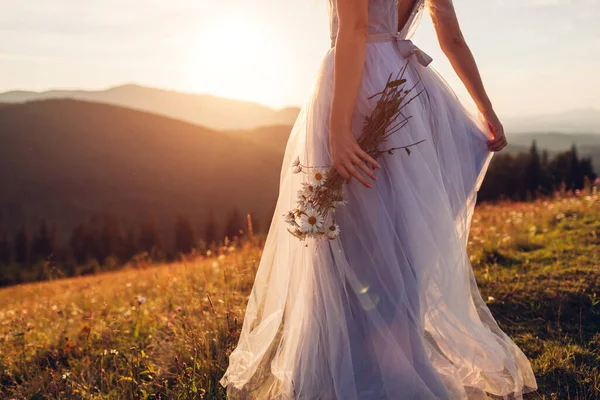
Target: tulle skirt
[391, 309]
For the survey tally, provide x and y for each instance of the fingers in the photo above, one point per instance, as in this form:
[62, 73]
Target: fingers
[498, 143]
[343, 173]
[360, 177]
[364, 167]
[366, 157]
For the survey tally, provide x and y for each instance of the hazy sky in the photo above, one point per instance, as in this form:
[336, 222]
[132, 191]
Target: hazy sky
[536, 56]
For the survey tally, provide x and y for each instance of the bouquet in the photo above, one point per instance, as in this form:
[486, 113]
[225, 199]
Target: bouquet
[315, 213]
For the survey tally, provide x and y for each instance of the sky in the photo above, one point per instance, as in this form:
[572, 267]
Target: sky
[535, 56]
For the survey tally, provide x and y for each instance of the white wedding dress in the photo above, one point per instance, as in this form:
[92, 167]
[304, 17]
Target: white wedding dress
[390, 309]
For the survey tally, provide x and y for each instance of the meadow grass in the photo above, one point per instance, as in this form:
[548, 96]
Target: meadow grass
[165, 331]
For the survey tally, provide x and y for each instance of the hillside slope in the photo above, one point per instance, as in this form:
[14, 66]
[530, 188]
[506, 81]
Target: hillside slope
[166, 331]
[211, 111]
[65, 160]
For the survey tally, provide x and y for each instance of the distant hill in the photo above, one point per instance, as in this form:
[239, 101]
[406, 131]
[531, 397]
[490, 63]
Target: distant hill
[227, 114]
[210, 111]
[571, 121]
[274, 137]
[65, 160]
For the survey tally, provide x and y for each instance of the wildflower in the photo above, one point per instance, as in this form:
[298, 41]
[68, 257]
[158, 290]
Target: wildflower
[340, 202]
[141, 299]
[307, 189]
[302, 200]
[296, 162]
[333, 231]
[289, 217]
[66, 375]
[296, 166]
[114, 352]
[319, 177]
[490, 299]
[311, 221]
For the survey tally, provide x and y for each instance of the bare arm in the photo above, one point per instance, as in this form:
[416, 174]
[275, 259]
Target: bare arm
[454, 46]
[349, 60]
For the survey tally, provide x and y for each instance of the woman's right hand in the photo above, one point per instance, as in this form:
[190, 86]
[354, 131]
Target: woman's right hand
[349, 158]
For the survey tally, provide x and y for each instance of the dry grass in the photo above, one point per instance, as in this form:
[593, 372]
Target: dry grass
[165, 331]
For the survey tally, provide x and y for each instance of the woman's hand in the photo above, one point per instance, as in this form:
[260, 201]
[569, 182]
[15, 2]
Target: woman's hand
[499, 140]
[349, 159]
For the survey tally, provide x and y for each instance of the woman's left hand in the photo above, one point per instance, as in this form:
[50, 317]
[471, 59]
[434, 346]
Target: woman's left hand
[499, 141]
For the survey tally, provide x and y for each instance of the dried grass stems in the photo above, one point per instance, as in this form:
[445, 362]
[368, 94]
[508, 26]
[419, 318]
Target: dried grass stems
[314, 215]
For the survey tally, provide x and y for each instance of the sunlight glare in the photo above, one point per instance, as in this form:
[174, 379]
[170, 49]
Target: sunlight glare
[237, 60]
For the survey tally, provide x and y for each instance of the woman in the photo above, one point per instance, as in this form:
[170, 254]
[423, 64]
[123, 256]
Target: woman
[390, 309]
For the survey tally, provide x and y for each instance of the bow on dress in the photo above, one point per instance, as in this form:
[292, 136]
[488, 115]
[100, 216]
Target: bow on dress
[406, 47]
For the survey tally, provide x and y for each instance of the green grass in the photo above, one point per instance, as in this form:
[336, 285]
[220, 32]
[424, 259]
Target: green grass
[165, 331]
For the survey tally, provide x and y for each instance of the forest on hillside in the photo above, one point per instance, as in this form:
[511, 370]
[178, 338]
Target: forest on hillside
[107, 242]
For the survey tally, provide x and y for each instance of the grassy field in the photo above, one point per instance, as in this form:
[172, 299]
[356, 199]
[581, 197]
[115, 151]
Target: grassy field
[164, 332]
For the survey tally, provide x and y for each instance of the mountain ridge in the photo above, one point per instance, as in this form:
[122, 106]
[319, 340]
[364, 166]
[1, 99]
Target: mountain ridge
[200, 109]
[229, 114]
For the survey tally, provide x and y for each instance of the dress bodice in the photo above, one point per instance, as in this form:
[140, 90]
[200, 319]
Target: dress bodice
[383, 17]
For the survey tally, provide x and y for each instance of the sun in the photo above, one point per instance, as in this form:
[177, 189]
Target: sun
[235, 58]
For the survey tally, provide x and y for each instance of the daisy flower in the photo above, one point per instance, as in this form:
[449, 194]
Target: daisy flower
[319, 176]
[311, 221]
[296, 167]
[307, 189]
[332, 231]
[289, 217]
[340, 202]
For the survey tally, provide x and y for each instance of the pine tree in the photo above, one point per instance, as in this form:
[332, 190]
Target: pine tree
[42, 244]
[184, 235]
[111, 238]
[576, 178]
[77, 244]
[149, 241]
[234, 225]
[210, 233]
[5, 251]
[21, 244]
[130, 247]
[533, 171]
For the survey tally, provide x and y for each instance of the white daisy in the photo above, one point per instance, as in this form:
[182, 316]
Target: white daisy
[332, 231]
[308, 189]
[319, 177]
[289, 217]
[311, 221]
[340, 202]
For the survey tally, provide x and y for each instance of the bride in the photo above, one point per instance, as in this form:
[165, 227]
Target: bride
[390, 308]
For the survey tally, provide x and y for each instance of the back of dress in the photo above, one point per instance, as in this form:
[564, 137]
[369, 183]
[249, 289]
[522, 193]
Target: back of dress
[383, 17]
[390, 309]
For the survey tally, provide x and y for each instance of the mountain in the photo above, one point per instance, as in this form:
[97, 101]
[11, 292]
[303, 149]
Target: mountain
[227, 114]
[210, 111]
[274, 137]
[66, 160]
[572, 121]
